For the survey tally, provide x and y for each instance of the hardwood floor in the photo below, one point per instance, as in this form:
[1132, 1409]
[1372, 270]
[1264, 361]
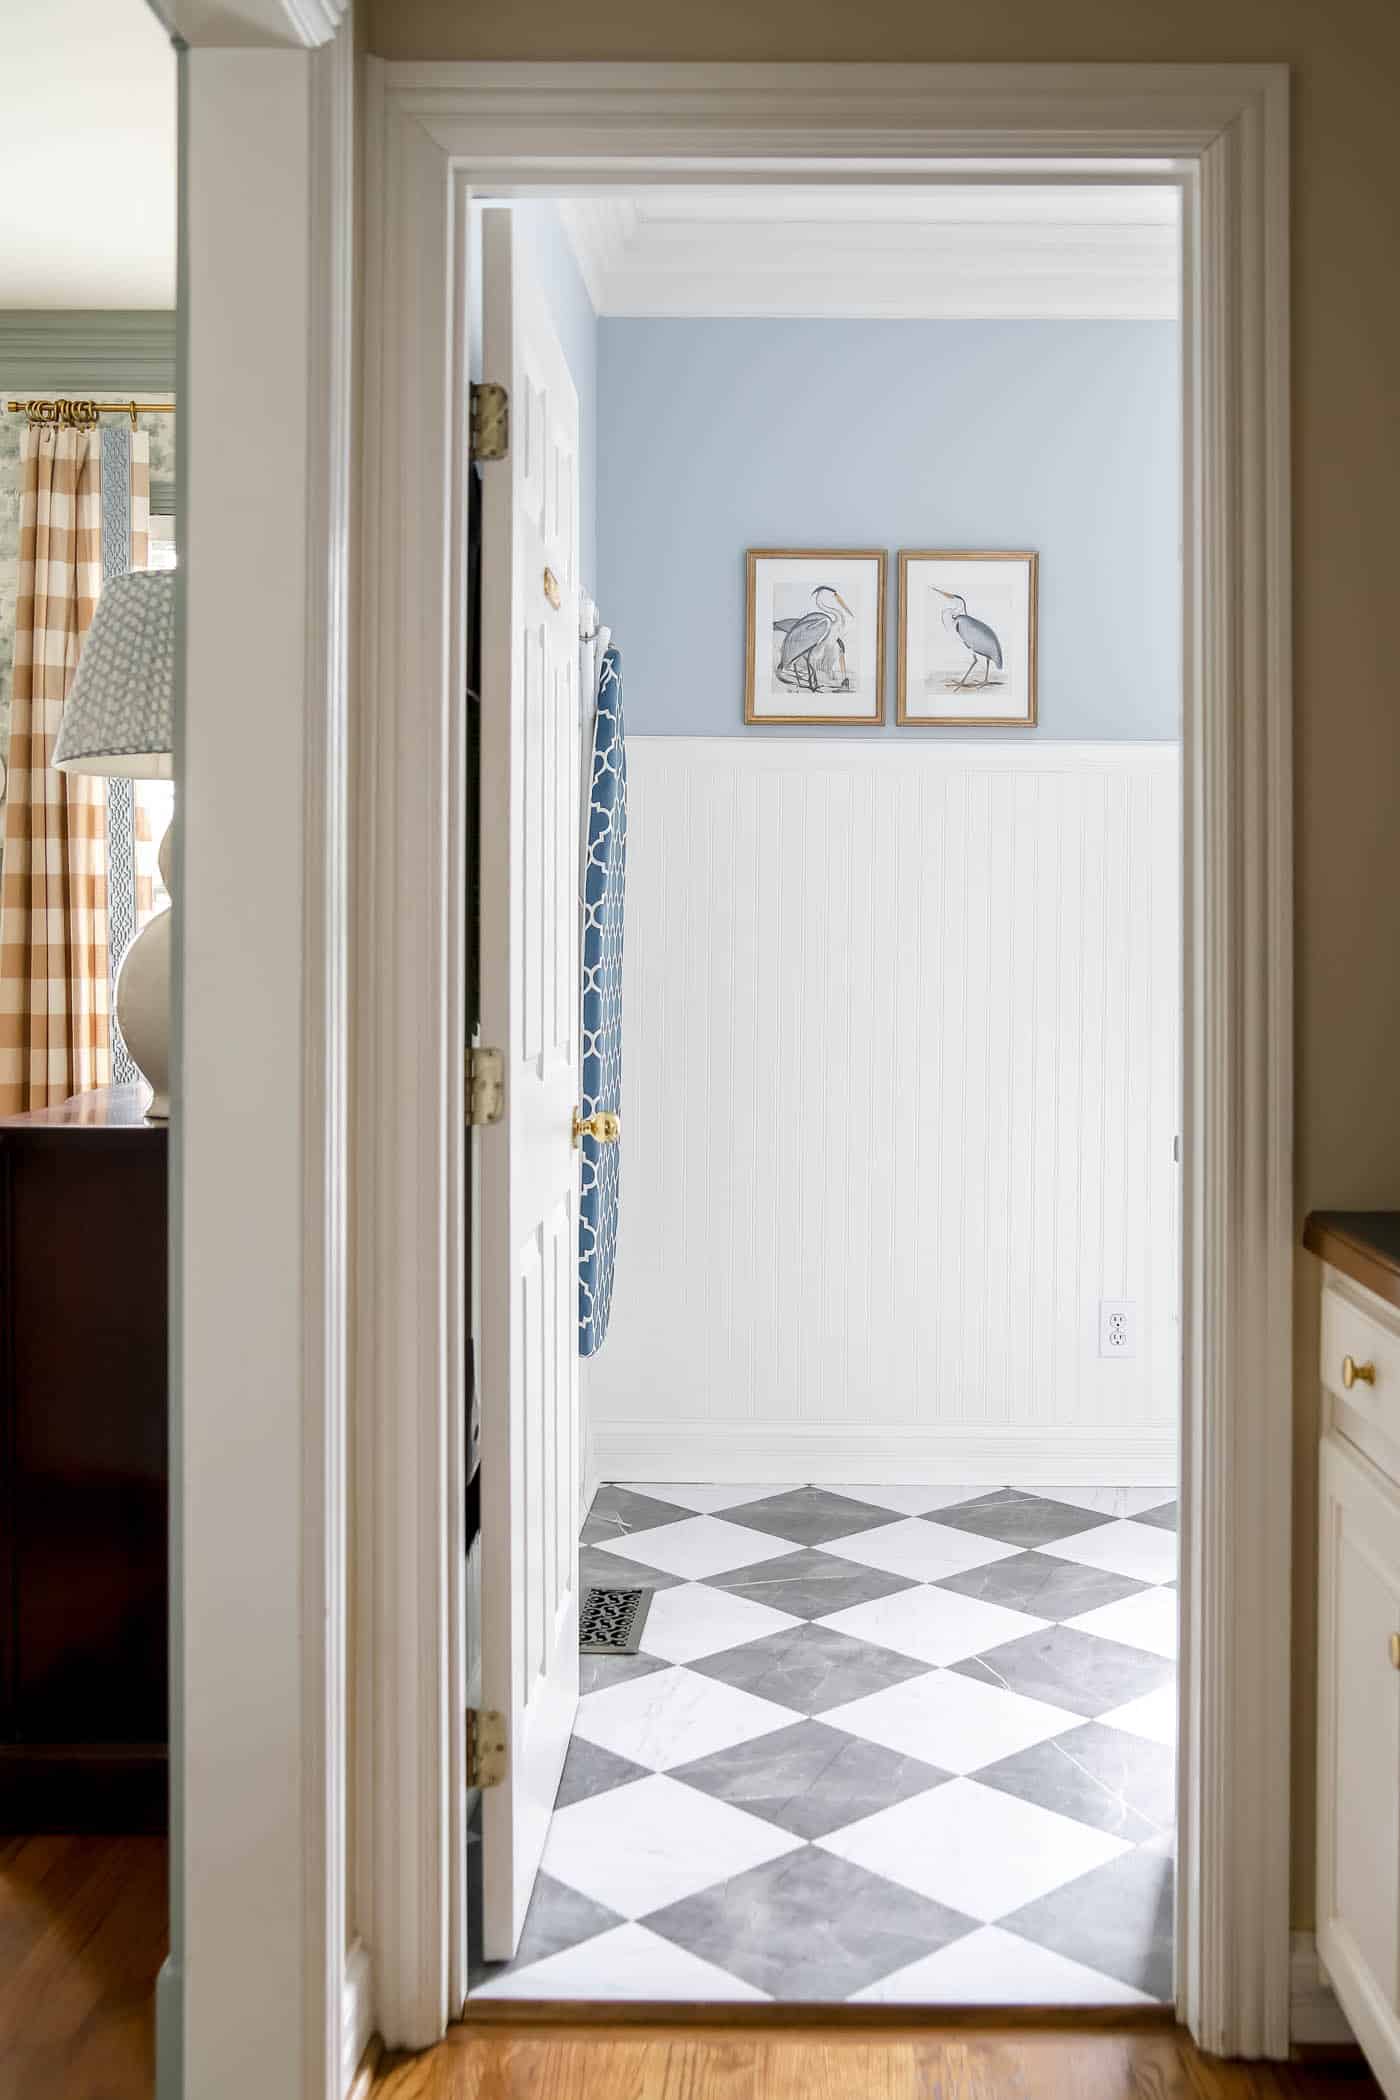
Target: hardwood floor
[82, 1934]
[521, 2061]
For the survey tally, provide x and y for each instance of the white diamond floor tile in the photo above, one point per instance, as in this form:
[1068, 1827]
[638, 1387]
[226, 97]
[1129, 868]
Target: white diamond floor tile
[697, 1547]
[1147, 1619]
[909, 1499]
[697, 1619]
[1106, 1501]
[704, 1496]
[1143, 1551]
[626, 1963]
[972, 1847]
[1153, 1716]
[923, 1551]
[654, 1841]
[977, 1850]
[992, 1967]
[674, 1715]
[934, 1626]
[958, 1723]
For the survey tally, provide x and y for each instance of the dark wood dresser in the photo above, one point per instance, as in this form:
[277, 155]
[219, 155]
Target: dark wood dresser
[83, 1466]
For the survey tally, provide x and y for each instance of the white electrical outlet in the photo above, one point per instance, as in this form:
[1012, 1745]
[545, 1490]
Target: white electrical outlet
[1117, 1327]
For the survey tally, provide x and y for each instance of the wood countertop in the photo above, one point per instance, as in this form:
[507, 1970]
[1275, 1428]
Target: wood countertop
[1362, 1244]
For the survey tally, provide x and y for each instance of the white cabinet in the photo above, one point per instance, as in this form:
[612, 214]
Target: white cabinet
[1359, 1717]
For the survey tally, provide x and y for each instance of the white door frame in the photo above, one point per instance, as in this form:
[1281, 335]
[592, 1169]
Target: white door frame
[1221, 132]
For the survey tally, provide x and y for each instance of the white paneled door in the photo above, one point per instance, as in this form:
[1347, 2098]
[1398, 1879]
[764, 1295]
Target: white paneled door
[529, 1010]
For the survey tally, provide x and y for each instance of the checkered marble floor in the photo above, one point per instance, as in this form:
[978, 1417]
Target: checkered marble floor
[897, 1745]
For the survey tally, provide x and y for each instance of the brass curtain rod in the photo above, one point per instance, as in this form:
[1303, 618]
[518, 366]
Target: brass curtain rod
[83, 415]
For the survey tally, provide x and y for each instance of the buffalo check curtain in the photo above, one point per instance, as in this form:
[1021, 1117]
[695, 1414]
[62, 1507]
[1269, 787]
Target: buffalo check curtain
[55, 1001]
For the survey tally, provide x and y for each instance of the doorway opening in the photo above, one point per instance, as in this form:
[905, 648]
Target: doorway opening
[878, 1421]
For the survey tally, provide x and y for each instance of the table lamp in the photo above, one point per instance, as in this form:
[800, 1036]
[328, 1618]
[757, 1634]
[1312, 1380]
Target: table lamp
[118, 721]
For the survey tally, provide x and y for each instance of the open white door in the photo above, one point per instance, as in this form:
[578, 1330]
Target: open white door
[530, 1011]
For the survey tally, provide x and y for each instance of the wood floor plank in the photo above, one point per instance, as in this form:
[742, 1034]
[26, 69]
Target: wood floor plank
[534, 2060]
[83, 1924]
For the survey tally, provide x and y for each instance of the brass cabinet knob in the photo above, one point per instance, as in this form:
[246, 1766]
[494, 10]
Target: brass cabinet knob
[602, 1125]
[1395, 1651]
[1354, 1373]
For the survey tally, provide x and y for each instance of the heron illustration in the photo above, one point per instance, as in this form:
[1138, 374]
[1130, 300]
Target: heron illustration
[974, 634]
[812, 636]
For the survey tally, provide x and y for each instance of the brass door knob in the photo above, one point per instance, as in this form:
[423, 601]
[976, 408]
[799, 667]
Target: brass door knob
[602, 1125]
[1395, 1651]
[1354, 1373]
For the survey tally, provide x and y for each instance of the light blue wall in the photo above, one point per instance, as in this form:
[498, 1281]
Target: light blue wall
[546, 253]
[715, 436]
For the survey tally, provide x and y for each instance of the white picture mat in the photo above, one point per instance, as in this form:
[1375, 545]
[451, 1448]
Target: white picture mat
[997, 592]
[783, 587]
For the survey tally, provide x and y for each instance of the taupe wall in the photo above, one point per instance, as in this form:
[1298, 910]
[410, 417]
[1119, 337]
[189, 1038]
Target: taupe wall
[1346, 421]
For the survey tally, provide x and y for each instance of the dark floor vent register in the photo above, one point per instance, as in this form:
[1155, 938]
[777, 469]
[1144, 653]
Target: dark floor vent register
[611, 1621]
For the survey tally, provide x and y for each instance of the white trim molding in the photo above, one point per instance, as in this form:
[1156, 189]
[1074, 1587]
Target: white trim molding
[251, 25]
[1317, 2019]
[1220, 134]
[782, 1452]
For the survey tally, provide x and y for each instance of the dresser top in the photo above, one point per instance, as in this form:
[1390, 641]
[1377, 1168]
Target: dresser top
[1363, 1244]
[104, 1108]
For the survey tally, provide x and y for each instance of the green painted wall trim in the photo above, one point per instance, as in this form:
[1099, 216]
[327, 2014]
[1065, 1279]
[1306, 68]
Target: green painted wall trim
[86, 350]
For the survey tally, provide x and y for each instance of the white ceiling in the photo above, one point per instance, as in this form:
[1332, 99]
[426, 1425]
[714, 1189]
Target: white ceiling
[1004, 250]
[87, 155]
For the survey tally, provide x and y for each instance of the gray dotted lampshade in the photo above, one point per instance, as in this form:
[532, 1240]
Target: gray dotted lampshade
[120, 711]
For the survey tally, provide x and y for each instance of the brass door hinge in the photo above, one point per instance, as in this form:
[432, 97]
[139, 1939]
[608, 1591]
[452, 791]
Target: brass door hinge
[490, 421]
[486, 1087]
[486, 1748]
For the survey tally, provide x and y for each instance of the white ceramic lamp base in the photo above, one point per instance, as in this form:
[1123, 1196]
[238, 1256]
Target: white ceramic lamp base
[143, 998]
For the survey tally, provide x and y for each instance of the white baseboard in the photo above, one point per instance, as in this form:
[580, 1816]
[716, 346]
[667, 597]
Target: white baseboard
[1315, 2016]
[589, 1476]
[356, 2014]
[834, 1453]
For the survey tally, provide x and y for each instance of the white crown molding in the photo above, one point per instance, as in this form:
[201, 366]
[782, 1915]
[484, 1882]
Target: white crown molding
[942, 257]
[599, 231]
[236, 25]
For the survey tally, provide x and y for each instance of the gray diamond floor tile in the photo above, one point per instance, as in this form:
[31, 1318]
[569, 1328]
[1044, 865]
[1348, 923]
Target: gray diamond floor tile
[597, 1672]
[1042, 1585]
[558, 1917]
[617, 1510]
[1067, 1668]
[1117, 1918]
[810, 1584]
[1020, 1519]
[589, 1769]
[611, 1571]
[809, 1668]
[810, 1927]
[810, 1779]
[810, 1516]
[1164, 1518]
[1117, 1782]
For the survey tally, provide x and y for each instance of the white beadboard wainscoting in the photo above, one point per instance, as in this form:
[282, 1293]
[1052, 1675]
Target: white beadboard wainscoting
[899, 1108]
